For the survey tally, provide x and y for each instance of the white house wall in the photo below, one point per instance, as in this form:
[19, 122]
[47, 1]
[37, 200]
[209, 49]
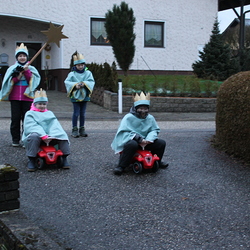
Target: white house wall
[188, 25]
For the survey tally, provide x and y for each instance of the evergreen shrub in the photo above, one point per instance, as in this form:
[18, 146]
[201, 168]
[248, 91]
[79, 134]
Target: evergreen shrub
[105, 76]
[233, 116]
[216, 61]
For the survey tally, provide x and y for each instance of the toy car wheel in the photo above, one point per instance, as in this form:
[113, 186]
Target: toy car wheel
[155, 167]
[137, 167]
[40, 163]
[59, 161]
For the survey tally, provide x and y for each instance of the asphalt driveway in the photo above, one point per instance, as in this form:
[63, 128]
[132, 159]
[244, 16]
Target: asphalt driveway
[200, 202]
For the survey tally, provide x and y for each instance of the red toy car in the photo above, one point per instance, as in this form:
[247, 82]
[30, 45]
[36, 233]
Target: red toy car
[49, 155]
[144, 159]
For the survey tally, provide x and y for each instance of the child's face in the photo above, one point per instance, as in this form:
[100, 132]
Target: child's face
[41, 105]
[22, 58]
[142, 111]
[80, 66]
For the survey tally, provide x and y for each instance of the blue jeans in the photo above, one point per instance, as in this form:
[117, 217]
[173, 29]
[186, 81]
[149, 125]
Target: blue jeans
[79, 110]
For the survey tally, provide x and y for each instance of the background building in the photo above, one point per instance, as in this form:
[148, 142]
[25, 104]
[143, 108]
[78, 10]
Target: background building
[169, 33]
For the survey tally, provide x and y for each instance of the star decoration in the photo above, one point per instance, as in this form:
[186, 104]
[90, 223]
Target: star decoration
[54, 34]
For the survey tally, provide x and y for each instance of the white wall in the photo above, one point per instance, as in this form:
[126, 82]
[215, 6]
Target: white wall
[188, 25]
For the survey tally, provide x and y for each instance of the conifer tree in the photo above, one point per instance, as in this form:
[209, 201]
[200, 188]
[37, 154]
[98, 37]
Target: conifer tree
[215, 61]
[120, 32]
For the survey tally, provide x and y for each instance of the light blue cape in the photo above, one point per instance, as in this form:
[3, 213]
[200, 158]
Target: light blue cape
[8, 84]
[131, 125]
[43, 123]
[82, 94]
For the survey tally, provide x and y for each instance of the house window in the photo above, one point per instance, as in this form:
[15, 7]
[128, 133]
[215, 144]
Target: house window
[98, 32]
[153, 35]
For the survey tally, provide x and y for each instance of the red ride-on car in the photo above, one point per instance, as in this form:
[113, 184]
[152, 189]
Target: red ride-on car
[49, 155]
[144, 159]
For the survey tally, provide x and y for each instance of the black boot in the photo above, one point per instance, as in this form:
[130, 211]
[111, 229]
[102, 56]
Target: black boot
[82, 132]
[32, 164]
[65, 164]
[75, 132]
[163, 164]
[118, 170]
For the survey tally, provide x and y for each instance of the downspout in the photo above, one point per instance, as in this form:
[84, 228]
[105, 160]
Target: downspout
[61, 54]
[242, 26]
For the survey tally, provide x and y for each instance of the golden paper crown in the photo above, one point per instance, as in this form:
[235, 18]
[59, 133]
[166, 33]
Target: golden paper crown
[40, 96]
[77, 57]
[141, 97]
[22, 48]
[40, 93]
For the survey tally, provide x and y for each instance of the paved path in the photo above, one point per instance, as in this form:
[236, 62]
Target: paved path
[62, 107]
[200, 202]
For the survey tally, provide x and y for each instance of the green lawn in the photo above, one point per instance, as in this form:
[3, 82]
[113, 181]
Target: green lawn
[170, 85]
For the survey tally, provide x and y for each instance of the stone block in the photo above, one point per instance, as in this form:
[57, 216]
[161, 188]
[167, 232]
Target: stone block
[9, 205]
[10, 195]
[9, 185]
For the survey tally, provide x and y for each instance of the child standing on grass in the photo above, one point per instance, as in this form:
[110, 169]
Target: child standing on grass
[19, 83]
[79, 85]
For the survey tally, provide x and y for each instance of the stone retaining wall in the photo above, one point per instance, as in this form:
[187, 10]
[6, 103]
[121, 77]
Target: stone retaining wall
[9, 200]
[163, 104]
[9, 188]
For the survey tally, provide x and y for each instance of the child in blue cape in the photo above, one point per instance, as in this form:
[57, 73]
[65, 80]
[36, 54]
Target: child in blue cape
[19, 84]
[79, 85]
[138, 129]
[42, 126]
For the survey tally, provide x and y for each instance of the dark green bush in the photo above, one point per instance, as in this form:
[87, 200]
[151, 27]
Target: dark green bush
[215, 62]
[233, 116]
[105, 76]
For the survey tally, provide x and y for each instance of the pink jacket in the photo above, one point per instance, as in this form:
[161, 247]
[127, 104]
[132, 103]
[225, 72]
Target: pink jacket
[20, 86]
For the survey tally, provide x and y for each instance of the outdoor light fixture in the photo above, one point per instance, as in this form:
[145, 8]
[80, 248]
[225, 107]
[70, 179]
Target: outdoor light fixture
[4, 58]
[3, 42]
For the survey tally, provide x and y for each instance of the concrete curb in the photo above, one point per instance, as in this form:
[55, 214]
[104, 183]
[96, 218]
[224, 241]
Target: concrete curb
[18, 232]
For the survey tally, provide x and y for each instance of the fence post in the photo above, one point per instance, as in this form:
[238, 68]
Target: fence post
[120, 96]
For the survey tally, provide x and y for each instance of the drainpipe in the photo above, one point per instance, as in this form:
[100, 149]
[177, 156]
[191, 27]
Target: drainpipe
[242, 26]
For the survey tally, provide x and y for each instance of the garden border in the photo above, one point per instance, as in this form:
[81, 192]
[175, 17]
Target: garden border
[162, 104]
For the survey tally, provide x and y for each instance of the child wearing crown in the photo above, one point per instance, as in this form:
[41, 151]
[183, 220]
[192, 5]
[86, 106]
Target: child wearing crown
[41, 126]
[79, 85]
[138, 129]
[19, 83]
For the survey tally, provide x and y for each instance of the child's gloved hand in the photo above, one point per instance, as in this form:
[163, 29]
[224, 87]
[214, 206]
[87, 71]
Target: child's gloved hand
[144, 143]
[26, 66]
[80, 85]
[138, 138]
[17, 71]
[47, 141]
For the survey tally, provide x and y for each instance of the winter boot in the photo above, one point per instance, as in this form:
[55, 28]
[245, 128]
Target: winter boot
[163, 164]
[32, 164]
[75, 133]
[118, 170]
[82, 132]
[15, 144]
[65, 164]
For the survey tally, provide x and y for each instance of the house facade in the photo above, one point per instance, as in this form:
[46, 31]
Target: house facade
[168, 33]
